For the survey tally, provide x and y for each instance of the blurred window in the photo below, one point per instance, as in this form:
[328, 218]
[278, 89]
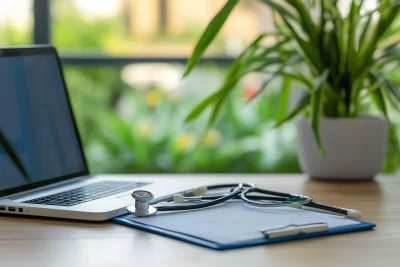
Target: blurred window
[152, 27]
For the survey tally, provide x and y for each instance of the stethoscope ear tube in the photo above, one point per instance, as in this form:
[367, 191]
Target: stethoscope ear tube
[354, 214]
[219, 186]
[234, 193]
[289, 198]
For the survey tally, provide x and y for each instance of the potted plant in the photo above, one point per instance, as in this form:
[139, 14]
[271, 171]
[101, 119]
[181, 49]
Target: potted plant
[341, 61]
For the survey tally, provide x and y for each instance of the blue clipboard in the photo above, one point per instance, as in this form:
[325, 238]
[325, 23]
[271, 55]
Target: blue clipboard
[124, 219]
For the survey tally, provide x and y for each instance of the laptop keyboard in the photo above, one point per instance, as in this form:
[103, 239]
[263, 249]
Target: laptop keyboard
[86, 193]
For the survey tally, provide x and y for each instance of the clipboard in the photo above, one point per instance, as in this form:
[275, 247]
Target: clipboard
[267, 235]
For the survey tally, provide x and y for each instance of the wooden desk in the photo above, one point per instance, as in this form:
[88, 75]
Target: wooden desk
[48, 242]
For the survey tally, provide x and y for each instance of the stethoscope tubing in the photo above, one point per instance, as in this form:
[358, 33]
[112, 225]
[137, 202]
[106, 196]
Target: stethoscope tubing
[308, 201]
[221, 199]
[250, 197]
[289, 199]
[327, 208]
[311, 204]
[253, 200]
[219, 186]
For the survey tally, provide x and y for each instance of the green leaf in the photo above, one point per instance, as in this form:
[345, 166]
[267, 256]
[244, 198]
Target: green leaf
[389, 55]
[216, 110]
[391, 99]
[209, 34]
[271, 49]
[379, 100]
[331, 53]
[249, 52]
[377, 95]
[316, 108]
[284, 99]
[247, 57]
[266, 62]
[289, 62]
[225, 90]
[297, 77]
[307, 47]
[379, 78]
[301, 105]
[393, 90]
[380, 8]
[13, 155]
[307, 24]
[352, 24]
[204, 104]
[280, 9]
[365, 30]
[368, 47]
[322, 29]
[338, 38]
[388, 44]
[230, 80]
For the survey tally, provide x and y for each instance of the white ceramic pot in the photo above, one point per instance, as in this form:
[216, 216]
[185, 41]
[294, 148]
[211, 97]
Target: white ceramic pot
[355, 147]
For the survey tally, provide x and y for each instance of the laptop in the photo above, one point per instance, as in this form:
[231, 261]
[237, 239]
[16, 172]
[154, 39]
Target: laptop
[43, 169]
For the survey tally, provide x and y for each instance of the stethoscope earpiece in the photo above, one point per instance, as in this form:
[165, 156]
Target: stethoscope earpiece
[354, 214]
[200, 191]
[178, 198]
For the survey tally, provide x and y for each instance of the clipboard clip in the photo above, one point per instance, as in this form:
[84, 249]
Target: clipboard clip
[295, 229]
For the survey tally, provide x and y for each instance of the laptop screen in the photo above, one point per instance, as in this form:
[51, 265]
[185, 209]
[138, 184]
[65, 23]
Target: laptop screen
[39, 141]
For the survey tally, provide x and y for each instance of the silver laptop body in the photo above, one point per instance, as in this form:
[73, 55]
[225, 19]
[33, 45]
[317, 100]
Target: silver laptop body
[43, 170]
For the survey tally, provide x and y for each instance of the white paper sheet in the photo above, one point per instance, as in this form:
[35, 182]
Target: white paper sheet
[237, 221]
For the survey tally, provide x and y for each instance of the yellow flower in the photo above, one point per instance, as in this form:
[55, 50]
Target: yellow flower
[211, 138]
[145, 129]
[153, 98]
[184, 141]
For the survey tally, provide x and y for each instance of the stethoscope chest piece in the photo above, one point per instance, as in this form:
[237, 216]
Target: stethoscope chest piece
[142, 206]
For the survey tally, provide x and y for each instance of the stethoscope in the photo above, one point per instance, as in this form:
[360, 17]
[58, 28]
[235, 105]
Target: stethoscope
[194, 199]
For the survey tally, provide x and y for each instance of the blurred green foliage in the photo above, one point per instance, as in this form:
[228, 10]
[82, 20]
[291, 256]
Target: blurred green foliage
[140, 130]
[10, 36]
[150, 137]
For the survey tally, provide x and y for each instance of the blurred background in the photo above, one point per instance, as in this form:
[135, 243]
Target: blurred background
[123, 62]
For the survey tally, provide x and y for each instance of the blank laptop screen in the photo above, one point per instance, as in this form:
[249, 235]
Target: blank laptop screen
[36, 122]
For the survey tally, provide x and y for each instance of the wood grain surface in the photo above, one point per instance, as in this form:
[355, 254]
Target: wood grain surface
[49, 242]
